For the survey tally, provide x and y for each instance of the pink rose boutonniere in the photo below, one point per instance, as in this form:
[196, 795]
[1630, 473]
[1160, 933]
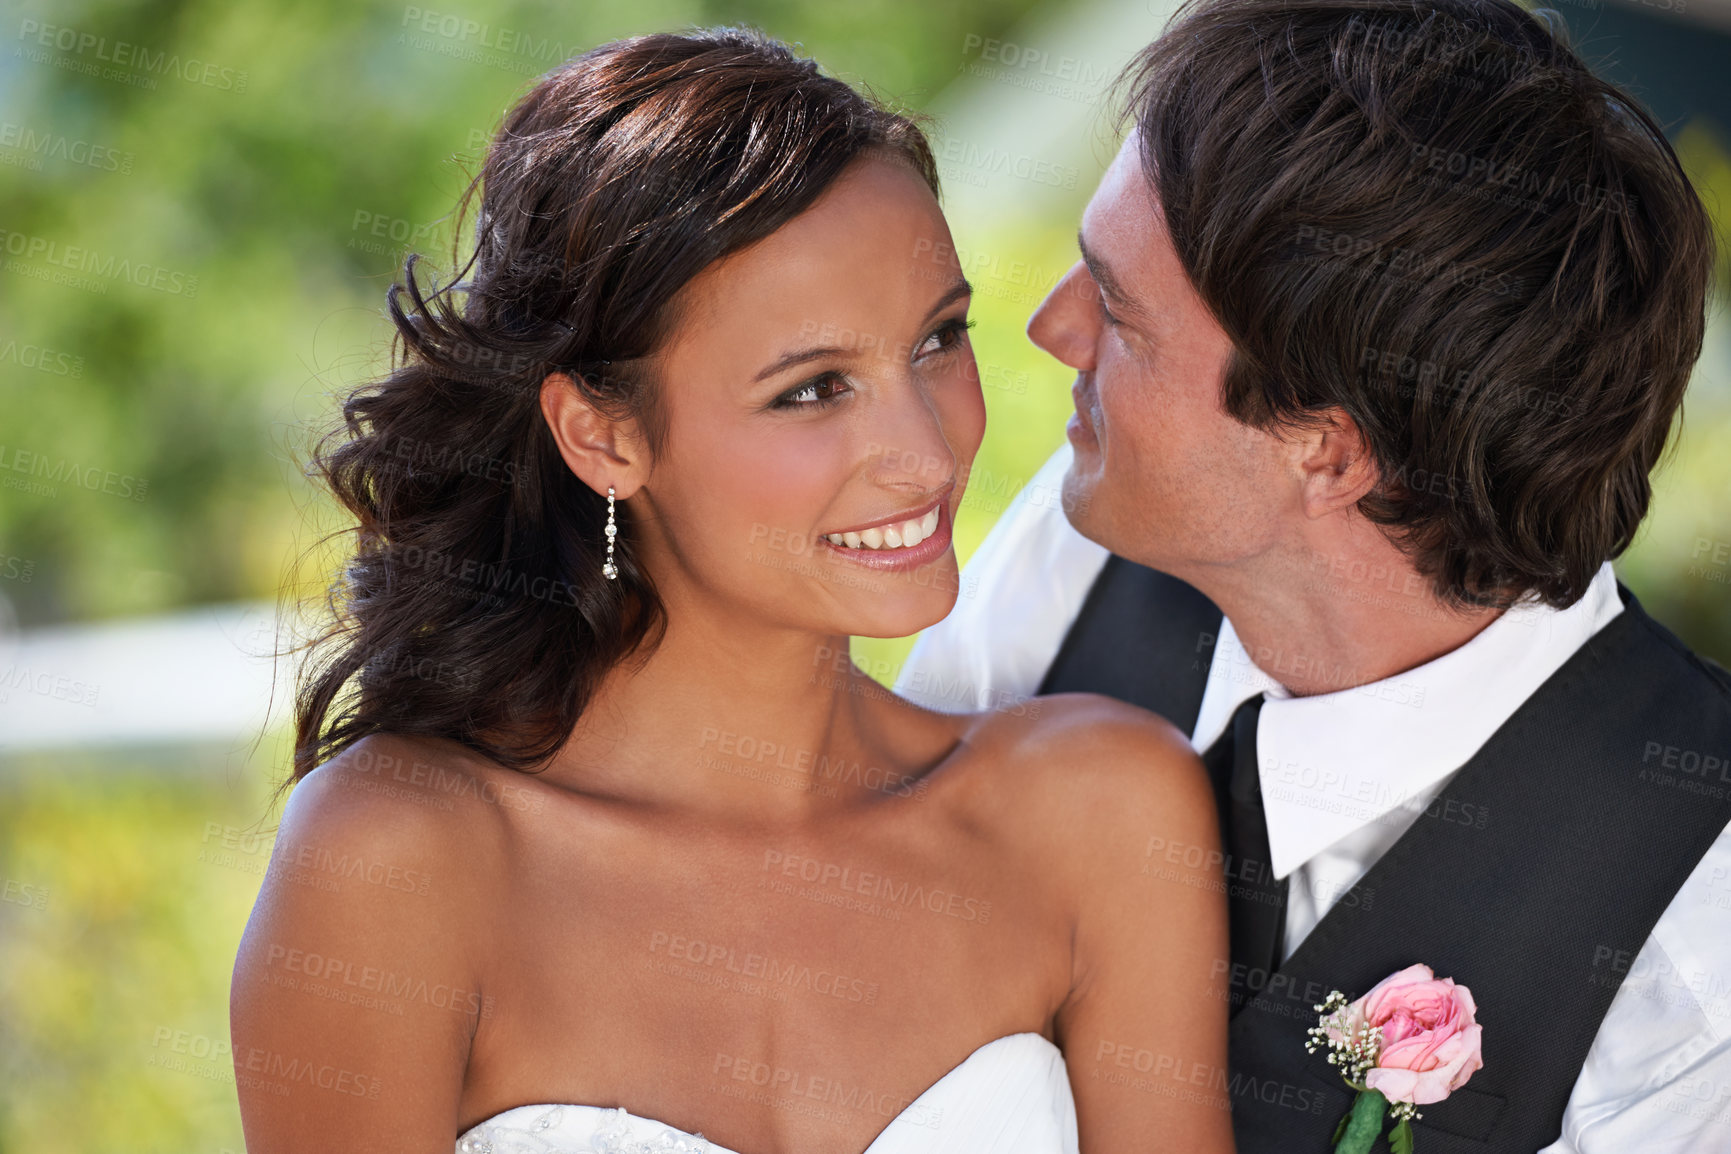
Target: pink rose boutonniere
[1409, 1042]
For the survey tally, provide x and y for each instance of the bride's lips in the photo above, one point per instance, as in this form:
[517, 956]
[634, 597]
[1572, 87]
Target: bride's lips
[930, 548]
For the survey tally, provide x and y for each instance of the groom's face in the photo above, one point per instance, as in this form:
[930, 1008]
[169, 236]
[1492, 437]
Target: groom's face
[1162, 474]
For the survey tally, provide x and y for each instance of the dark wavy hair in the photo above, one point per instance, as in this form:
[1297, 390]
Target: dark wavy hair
[1433, 216]
[473, 606]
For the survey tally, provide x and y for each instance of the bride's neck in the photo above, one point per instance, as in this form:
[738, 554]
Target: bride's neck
[731, 721]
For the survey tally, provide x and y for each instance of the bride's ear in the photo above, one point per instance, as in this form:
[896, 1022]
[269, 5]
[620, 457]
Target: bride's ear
[603, 451]
[1336, 466]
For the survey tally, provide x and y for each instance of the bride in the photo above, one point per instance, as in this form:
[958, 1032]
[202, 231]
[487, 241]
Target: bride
[597, 840]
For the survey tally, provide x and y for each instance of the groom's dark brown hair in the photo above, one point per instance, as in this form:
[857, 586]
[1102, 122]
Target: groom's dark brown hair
[1435, 218]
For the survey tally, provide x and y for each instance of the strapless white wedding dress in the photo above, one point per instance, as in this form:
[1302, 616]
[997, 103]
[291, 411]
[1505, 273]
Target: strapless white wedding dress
[1010, 1096]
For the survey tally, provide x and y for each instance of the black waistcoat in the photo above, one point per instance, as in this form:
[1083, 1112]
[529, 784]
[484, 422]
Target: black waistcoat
[1534, 878]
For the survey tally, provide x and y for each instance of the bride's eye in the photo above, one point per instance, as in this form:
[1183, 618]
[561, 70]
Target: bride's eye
[818, 391]
[945, 337]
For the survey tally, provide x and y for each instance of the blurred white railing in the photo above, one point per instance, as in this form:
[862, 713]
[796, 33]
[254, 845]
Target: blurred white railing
[199, 676]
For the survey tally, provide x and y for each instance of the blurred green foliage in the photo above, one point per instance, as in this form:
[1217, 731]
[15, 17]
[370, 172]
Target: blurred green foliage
[127, 884]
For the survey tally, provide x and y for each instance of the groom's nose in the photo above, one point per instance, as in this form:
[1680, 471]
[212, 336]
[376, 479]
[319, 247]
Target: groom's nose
[1067, 323]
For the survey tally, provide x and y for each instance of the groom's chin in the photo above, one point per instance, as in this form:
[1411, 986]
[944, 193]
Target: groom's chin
[1079, 493]
[1091, 507]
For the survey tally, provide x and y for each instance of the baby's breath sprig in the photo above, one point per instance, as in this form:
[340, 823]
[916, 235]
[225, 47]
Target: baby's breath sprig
[1352, 1048]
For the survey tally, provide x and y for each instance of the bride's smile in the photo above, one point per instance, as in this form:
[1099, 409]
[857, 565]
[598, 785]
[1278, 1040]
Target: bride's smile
[896, 541]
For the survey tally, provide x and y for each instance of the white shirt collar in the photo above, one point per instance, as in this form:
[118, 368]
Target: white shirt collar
[1332, 763]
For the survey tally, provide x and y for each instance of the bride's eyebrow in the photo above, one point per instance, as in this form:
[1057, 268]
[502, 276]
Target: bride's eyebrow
[797, 357]
[958, 291]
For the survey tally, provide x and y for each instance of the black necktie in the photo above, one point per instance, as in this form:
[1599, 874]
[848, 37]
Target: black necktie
[1256, 901]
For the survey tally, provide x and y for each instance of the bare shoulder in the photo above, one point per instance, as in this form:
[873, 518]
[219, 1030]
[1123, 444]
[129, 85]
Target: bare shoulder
[1098, 725]
[364, 945]
[397, 831]
[1089, 776]
[1103, 792]
[1086, 748]
[404, 797]
[380, 841]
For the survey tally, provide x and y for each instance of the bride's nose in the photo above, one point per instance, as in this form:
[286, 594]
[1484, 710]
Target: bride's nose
[907, 448]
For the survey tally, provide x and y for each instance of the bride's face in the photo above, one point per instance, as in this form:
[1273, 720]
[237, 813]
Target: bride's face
[822, 408]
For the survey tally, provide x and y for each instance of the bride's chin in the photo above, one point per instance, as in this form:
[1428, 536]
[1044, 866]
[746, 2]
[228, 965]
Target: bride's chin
[902, 616]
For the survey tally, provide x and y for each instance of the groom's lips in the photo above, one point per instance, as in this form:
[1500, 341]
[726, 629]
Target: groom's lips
[1079, 428]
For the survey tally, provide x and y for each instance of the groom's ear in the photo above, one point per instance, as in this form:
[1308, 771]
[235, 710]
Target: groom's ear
[603, 451]
[1336, 466]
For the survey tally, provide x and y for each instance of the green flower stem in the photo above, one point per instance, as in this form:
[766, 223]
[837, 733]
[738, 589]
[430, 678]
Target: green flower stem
[1364, 1124]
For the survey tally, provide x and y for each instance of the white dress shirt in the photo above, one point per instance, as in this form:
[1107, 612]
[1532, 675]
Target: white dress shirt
[1344, 774]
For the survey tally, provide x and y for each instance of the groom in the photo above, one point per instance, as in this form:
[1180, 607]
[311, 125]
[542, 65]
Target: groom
[1383, 316]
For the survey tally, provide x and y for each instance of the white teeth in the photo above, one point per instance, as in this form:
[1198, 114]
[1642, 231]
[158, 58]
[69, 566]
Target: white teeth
[901, 535]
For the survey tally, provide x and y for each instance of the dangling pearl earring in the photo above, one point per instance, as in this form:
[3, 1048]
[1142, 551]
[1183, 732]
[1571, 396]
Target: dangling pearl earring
[608, 569]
